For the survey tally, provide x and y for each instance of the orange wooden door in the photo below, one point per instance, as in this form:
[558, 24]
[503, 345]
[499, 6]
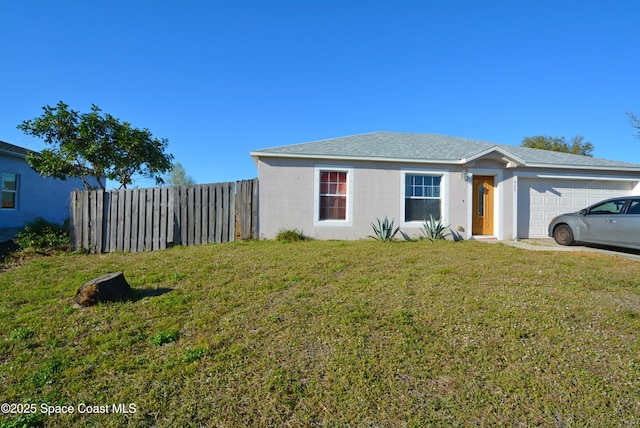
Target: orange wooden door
[482, 205]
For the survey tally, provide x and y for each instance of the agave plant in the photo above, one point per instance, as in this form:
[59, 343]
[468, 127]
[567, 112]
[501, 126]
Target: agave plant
[384, 230]
[435, 229]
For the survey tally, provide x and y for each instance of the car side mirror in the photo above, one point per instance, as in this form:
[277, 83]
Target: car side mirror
[583, 212]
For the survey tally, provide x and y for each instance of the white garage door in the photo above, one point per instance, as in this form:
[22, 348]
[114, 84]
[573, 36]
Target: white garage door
[540, 200]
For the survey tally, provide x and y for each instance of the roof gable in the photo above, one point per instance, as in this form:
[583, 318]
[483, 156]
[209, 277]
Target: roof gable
[433, 148]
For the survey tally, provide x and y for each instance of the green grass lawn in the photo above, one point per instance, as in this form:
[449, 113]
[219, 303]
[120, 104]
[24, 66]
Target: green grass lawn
[327, 334]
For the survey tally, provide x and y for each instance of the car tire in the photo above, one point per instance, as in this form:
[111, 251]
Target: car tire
[563, 235]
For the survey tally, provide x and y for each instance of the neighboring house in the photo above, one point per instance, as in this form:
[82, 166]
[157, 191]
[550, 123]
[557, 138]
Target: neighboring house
[27, 195]
[335, 189]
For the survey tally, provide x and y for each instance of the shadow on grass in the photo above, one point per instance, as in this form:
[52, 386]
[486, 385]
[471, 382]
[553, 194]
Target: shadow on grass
[139, 294]
[6, 248]
[611, 248]
[135, 296]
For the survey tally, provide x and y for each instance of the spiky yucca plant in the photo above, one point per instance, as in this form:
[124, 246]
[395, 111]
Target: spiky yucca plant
[435, 229]
[384, 230]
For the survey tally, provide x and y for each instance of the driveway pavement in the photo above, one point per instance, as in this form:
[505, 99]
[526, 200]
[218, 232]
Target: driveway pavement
[548, 244]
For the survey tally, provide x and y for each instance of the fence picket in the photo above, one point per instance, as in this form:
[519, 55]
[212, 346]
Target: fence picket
[135, 219]
[142, 216]
[113, 221]
[132, 220]
[198, 215]
[218, 205]
[184, 204]
[204, 214]
[171, 217]
[163, 217]
[127, 221]
[76, 220]
[254, 210]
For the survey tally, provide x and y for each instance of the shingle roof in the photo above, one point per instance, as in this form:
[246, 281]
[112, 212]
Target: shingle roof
[10, 148]
[432, 148]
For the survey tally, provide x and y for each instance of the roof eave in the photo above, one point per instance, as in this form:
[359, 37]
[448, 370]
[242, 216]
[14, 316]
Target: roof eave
[585, 167]
[257, 155]
[12, 153]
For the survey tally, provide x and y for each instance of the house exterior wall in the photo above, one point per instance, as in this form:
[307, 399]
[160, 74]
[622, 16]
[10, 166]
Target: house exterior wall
[36, 196]
[288, 192]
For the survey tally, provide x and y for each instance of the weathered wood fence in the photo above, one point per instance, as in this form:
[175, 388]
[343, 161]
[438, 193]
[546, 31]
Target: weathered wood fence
[134, 220]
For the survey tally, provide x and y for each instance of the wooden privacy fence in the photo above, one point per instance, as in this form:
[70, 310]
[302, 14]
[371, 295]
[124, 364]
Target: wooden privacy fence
[134, 220]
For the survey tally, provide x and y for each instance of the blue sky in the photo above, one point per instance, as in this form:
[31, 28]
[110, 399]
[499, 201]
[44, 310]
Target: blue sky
[222, 78]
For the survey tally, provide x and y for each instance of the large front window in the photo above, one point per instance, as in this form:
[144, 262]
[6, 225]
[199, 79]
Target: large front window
[333, 195]
[9, 190]
[422, 197]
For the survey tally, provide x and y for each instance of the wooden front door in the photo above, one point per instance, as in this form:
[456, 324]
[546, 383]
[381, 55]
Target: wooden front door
[482, 205]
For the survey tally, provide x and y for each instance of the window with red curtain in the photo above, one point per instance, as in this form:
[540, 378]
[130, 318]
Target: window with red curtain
[333, 195]
[9, 190]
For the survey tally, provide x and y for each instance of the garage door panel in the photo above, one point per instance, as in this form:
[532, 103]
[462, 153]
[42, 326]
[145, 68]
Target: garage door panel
[537, 215]
[570, 202]
[582, 201]
[540, 200]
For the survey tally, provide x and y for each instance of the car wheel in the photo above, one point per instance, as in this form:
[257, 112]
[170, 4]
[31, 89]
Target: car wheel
[563, 235]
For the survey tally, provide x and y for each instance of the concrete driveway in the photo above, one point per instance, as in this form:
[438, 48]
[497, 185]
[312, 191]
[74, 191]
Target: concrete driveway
[548, 244]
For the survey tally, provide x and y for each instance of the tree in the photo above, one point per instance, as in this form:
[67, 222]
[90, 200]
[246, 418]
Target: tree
[559, 144]
[178, 176]
[635, 122]
[94, 144]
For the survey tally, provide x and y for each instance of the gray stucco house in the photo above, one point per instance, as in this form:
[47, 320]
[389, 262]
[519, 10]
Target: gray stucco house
[335, 188]
[27, 195]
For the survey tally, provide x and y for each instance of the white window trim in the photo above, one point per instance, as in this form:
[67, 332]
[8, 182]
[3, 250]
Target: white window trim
[444, 192]
[15, 192]
[316, 196]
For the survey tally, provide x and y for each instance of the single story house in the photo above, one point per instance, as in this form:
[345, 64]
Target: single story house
[27, 195]
[335, 188]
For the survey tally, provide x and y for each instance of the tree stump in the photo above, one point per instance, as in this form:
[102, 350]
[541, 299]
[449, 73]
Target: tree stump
[109, 287]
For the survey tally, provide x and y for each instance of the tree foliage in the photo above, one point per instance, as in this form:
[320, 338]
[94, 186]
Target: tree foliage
[178, 176]
[575, 145]
[94, 144]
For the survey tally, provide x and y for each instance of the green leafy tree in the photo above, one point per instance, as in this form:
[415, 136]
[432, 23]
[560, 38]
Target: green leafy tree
[178, 176]
[575, 145]
[94, 144]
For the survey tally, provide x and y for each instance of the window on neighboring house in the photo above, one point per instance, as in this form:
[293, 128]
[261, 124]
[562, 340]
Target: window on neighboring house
[9, 190]
[422, 197]
[333, 195]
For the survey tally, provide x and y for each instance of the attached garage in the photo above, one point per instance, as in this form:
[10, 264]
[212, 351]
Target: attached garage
[483, 190]
[542, 199]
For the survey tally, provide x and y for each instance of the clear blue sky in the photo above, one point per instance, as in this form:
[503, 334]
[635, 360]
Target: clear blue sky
[222, 78]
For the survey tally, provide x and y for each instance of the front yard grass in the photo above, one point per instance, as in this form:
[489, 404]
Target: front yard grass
[317, 333]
